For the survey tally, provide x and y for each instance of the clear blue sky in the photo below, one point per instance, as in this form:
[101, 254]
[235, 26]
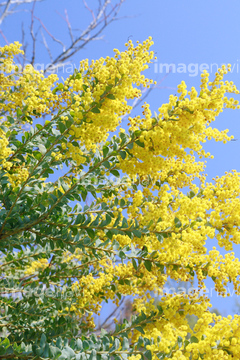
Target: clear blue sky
[184, 32]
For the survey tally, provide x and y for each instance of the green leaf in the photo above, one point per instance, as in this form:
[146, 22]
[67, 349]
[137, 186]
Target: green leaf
[46, 351]
[85, 345]
[122, 255]
[62, 127]
[194, 339]
[111, 96]
[43, 341]
[137, 233]
[105, 151]
[191, 194]
[122, 154]
[125, 344]
[177, 222]
[95, 110]
[79, 344]
[160, 238]
[2, 351]
[180, 341]
[11, 120]
[134, 264]
[56, 132]
[130, 146]
[42, 149]
[109, 234]
[59, 342]
[55, 352]
[139, 143]
[79, 219]
[107, 221]
[37, 155]
[148, 354]
[19, 112]
[5, 342]
[115, 173]
[124, 223]
[93, 355]
[67, 353]
[140, 329]
[148, 265]
[39, 126]
[106, 164]
[91, 233]
[58, 88]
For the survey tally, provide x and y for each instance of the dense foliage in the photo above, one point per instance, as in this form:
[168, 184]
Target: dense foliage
[145, 221]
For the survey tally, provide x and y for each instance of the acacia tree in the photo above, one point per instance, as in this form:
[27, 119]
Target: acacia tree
[60, 256]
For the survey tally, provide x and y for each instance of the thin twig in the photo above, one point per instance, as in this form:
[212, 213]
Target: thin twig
[5, 11]
[46, 46]
[32, 33]
[48, 32]
[85, 36]
[18, 2]
[111, 315]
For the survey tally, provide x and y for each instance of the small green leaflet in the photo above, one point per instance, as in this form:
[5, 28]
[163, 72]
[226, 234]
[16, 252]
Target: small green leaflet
[95, 110]
[42, 149]
[177, 222]
[122, 154]
[148, 265]
[134, 264]
[111, 96]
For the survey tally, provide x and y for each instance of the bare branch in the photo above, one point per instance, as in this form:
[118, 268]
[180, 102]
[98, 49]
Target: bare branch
[91, 11]
[101, 19]
[4, 37]
[105, 13]
[18, 2]
[24, 45]
[48, 32]
[113, 313]
[32, 33]
[5, 11]
[68, 23]
[46, 46]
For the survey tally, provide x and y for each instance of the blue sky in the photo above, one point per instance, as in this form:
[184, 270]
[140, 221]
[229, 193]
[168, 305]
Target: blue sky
[184, 32]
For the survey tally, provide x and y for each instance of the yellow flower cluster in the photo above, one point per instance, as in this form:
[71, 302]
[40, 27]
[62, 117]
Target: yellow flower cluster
[32, 90]
[5, 151]
[7, 53]
[90, 289]
[16, 173]
[35, 266]
[182, 124]
[101, 92]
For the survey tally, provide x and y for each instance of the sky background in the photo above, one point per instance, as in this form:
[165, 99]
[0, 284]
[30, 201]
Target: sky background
[184, 32]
